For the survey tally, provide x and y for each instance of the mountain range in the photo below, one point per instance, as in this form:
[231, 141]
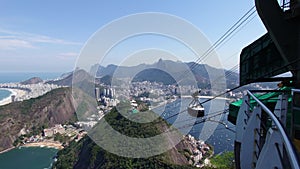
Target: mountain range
[158, 70]
[165, 71]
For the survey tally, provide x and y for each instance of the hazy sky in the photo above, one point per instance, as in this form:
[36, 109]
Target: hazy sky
[47, 36]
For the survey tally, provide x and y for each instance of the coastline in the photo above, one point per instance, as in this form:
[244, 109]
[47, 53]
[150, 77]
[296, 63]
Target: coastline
[55, 145]
[47, 144]
[6, 150]
[16, 92]
[205, 97]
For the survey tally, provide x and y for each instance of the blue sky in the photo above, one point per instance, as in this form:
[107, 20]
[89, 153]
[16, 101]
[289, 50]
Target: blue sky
[47, 36]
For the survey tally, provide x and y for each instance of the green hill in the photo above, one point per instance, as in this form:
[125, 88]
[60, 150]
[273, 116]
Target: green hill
[86, 154]
[32, 115]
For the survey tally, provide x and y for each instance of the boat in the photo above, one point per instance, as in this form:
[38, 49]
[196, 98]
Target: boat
[195, 108]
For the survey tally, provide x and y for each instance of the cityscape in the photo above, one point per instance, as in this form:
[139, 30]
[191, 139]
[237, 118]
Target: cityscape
[150, 84]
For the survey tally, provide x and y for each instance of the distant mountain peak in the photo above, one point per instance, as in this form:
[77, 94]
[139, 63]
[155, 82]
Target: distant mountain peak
[74, 77]
[33, 80]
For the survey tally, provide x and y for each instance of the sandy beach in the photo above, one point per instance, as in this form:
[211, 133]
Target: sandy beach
[48, 144]
[16, 92]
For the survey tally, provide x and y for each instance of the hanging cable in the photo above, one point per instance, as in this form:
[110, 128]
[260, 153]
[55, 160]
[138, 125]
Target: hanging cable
[221, 40]
[227, 34]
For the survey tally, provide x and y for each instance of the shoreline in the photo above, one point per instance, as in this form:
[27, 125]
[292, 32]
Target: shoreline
[44, 144]
[205, 97]
[16, 92]
[6, 150]
[55, 145]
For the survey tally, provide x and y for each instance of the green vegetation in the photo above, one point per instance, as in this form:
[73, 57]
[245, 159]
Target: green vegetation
[131, 128]
[224, 161]
[18, 141]
[61, 138]
[86, 154]
[36, 130]
[68, 156]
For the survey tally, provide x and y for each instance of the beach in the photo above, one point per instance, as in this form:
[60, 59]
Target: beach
[16, 92]
[49, 144]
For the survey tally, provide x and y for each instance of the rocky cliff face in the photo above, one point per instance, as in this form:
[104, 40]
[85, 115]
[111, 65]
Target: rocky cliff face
[55, 107]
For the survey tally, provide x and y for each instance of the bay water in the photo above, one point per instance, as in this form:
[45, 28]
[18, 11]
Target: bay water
[28, 158]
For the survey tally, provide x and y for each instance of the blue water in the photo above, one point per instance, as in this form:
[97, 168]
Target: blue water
[4, 93]
[217, 135]
[7, 77]
[27, 158]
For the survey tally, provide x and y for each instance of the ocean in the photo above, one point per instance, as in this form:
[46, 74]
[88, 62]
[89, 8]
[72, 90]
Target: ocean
[4, 94]
[12, 77]
[28, 158]
[7, 77]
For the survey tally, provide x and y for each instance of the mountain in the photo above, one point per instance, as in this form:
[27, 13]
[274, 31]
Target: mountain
[164, 71]
[150, 72]
[55, 107]
[154, 75]
[86, 154]
[64, 75]
[74, 77]
[34, 80]
[105, 80]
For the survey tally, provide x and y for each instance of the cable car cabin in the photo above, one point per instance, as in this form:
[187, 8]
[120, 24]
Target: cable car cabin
[196, 111]
[195, 108]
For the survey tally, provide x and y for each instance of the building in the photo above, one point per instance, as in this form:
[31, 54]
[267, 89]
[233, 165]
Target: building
[50, 132]
[97, 93]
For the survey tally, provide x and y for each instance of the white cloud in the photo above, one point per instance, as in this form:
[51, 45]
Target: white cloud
[12, 40]
[11, 44]
[46, 39]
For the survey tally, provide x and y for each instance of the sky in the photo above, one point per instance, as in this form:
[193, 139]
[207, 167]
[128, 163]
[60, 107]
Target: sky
[48, 36]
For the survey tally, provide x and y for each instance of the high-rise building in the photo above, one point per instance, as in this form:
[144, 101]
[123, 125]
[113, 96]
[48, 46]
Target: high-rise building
[108, 92]
[104, 92]
[113, 92]
[97, 93]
